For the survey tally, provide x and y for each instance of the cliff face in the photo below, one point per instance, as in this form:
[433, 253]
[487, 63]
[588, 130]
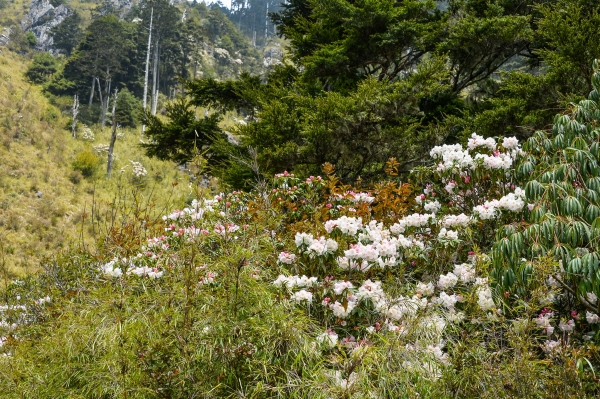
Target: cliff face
[42, 17]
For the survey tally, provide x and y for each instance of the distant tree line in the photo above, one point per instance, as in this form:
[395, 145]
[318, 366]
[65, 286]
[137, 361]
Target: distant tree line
[111, 52]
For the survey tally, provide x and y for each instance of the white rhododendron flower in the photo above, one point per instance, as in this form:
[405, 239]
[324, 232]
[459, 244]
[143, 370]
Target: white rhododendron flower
[465, 272]
[447, 281]
[329, 337]
[446, 300]
[592, 318]
[432, 206]
[510, 143]
[448, 234]
[302, 296]
[484, 298]
[567, 327]
[110, 270]
[341, 286]
[425, 289]
[287, 258]
[303, 239]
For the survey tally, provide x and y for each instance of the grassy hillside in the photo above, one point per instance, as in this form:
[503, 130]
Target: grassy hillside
[42, 198]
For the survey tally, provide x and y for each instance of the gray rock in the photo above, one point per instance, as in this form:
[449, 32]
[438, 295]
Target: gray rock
[42, 17]
[5, 36]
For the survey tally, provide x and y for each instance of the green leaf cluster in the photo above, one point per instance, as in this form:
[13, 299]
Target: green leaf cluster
[561, 176]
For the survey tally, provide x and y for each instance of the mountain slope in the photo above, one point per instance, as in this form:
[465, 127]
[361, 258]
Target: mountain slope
[42, 198]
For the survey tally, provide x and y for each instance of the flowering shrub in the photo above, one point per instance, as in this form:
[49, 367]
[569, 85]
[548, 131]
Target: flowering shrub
[476, 280]
[360, 279]
[87, 134]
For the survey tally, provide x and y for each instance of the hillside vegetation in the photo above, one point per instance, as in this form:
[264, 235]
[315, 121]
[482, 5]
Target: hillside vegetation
[42, 196]
[403, 203]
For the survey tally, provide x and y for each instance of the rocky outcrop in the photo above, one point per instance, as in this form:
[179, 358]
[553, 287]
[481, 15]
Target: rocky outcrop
[5, 36]
[42, 17]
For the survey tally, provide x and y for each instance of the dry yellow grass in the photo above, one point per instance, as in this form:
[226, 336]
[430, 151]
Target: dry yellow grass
[41, 198]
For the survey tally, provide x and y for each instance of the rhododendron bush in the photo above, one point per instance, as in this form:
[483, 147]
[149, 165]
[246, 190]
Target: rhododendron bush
[477, 279]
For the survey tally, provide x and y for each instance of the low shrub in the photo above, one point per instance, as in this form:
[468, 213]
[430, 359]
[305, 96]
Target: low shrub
[87, 163]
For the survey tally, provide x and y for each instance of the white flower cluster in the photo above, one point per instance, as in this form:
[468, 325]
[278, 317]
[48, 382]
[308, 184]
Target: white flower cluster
[414, 220]
[347, 225]
[111, 269]
[451, 156]
[221, 53]
[567, 327]
[449, 187]
[141, 271]
[551, 347]
[344, 383]
[446, 281]
[87, 134]
[447, 301]
[510, 143]
[329, 338]
[432, 206]
[455, 157]
[138, 169]
[358, 198]
[101, 149]
[322, 246]
[484, 295]
[195, 212]
[478, 141]
[303, 239]
[361, 197]
[448, 234]
[499, 161]
[592, 318]
[295, 281]
[543, 321]
[461, 220]
[425, 289]
[465, 272]
[287, 258]
[513, 202]
[302, 296]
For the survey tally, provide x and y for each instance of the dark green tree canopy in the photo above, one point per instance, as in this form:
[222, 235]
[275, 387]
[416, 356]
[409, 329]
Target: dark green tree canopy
[176, 138]
[68, 33]
[106, 52]
[239, 95]
[42, 68]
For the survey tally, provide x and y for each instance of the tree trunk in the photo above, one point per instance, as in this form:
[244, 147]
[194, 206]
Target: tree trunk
[154, 77]
[75, 110]
[92, 92]
[106, 101]
[113, 136]
[101, 98]
[147, 67]
[267, 26]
